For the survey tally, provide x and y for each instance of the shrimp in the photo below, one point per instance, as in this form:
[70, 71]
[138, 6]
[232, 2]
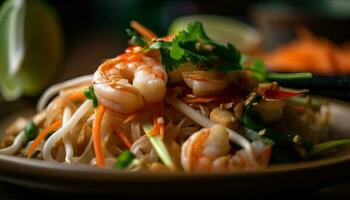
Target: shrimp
[209, 150]
[127, 83]
[206, 83]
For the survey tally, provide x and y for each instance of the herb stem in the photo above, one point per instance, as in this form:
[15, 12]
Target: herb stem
[319, 148]
[288, 76]
[159, 146]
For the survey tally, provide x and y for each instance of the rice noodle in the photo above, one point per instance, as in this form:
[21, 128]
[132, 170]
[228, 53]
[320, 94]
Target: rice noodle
[205, 122]
[65, 118]
[60, 155]
[66, 138]
[141, 146]
[153, 156]
[53, 90]
[20, 138]
[204, 111]
[83, 158]
[16, 145]
[65, 129]
[135, 130]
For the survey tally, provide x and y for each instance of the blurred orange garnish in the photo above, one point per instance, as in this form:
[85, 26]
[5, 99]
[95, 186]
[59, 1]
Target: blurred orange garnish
[309, 53]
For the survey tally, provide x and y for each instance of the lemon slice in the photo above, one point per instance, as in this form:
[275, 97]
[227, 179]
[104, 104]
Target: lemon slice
[31, 47]
[224, 30]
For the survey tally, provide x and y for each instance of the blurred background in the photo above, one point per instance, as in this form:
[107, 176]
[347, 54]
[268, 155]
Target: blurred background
[64, 39]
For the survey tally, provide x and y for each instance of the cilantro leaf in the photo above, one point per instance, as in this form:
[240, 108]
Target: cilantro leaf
[169, 63]
[194, 46]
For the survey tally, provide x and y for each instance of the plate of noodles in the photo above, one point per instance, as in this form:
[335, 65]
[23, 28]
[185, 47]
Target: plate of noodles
[180, 112]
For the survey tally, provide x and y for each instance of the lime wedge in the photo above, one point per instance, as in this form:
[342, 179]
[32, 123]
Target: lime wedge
[224, 30]
[31, 47]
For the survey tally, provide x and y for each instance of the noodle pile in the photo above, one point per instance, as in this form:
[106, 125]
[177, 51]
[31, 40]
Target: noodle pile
[251, 118]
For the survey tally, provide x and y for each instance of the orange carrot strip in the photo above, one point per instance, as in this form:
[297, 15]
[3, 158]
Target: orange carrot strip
[199, 99]
[130, 118]
[155, 130]
[142, 30]
[158, 127]
[162, 130]
[123, 137]
[97, 136]
[79, 96]
[54, 126]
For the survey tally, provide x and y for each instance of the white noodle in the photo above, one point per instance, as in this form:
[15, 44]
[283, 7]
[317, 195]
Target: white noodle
[135, 130]
[16, 145]
[83, 158]
[65, 129]
[66, 138]
[20, 138]
[53, 90]
[204, 111]
[153, 156]
[205, 122]
[140, 144]
[60, 154]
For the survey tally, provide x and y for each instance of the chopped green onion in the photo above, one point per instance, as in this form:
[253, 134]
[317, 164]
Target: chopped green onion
[30, 131]
[90, 94]
[286, 76]
[319, 148]
[124, 160]
[159, 146]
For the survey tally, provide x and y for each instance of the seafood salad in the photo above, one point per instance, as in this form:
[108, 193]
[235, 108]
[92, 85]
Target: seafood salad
[176, 103]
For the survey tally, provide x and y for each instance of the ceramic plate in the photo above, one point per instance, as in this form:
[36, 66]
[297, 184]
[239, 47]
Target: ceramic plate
[83, 179]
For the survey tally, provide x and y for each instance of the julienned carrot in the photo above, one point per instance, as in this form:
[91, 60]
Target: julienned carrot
[97, 136]
[142, 30]
[199, 99]
[54, 126]
[158, 120]
[123, 137]
[131, 118]
[162, 130]
[78, 96]
[155, 130]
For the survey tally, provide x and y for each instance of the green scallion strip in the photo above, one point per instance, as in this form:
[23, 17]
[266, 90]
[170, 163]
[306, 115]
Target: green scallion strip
[30, 131]
[159, 146]
[124, 160]
[319, 148]
[286, 76]
[90, 94]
